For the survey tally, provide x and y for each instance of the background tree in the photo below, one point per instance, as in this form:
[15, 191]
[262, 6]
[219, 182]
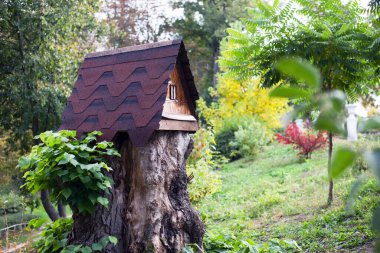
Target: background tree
[133, 22]
[332, 35]
[41, 45]
[239, 98]
[121, 17]
[202, 27]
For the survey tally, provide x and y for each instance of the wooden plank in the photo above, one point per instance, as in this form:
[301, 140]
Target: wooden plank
[181, 117]
[190, 126]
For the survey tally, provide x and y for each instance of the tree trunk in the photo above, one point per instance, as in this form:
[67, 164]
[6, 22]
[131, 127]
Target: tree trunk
[49, 208]
[149, 208]
[61, 209]
[215, 65]
[331, 185]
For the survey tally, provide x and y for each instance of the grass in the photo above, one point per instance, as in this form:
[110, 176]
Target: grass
[275, 196]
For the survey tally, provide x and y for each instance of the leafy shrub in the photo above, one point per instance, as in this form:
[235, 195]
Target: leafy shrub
[360, 165]
[225, 136]
[9, 154]
[54, 238]
[200, 166]
[250, 138]
[11, 203]
[74, 171]
[241, 136]
[8, 169]
[366, 198]
[241, 98]
[361, 146]
[230, 244]
[305, 141]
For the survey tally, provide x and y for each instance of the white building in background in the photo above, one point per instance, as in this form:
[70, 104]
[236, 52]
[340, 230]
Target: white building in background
[352, 122]
[355, 111]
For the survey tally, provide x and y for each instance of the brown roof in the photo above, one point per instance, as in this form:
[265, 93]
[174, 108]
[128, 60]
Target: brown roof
[124, 90]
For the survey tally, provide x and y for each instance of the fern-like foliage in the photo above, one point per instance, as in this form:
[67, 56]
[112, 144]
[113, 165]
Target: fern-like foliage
[334, 36]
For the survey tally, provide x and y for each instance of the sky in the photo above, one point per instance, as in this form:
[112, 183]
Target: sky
[162, 8]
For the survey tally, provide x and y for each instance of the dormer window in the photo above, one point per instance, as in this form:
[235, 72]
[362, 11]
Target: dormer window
[172, 91]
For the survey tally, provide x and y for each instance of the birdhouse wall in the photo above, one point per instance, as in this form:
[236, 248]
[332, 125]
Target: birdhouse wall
[180, 105]
[124, 91]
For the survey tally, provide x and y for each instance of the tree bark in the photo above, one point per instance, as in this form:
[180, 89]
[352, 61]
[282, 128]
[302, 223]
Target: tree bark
[331, 185]
[215, 65]
[49, 208]
[61, 209]
[149, 208]
[330, 135]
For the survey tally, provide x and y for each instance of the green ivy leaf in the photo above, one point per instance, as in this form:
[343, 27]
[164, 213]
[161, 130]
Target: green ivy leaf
[79, 165]
[112, 239]
[103, 201]
[341, 160]
[93, 198]
[97, 247]
[66, 192]
[62, 172]
[24, 162]
[66, 158]
[86, 249]
[68, 133]
[102, 145]
[37, 223]
[85, 179]
[107, 183]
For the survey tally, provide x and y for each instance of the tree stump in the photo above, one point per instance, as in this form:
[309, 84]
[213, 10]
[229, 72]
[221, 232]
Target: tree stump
[149, 208]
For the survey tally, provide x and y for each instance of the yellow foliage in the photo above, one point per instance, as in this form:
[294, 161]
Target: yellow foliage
[236, 99]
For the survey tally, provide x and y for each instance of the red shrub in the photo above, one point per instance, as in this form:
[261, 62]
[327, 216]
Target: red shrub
[305, 141]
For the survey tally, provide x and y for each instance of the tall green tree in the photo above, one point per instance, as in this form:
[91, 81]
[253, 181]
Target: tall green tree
[41, 45]
[202, 27]
[333, 36]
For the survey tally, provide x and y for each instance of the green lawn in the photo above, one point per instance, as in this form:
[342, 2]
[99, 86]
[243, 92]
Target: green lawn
[275, 196]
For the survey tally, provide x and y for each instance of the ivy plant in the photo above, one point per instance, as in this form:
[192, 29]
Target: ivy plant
[73, 170]
[54, 238]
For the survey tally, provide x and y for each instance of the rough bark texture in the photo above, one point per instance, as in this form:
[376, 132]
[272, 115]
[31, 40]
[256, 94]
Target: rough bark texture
[330, 135]
[89, 229]
[61, 209]
[149, 207]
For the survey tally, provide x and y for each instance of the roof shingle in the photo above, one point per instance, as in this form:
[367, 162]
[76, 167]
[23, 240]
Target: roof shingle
[124, 90]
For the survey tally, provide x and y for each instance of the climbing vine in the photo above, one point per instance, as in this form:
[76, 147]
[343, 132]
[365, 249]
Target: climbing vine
[73, 170]
[54, 238]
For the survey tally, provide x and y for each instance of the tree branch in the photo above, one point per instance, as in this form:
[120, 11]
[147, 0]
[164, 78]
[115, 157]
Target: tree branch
[48, 206]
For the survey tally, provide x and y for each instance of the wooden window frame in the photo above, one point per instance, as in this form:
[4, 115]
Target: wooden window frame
[172, 91]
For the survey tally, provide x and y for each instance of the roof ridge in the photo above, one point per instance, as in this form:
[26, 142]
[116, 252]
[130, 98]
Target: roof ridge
[134, 48]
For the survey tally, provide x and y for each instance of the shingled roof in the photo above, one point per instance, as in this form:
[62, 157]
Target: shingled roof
[124, 90]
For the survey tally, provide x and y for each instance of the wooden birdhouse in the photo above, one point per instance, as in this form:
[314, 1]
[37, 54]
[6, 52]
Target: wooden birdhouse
[134, 90]
[143, 98]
